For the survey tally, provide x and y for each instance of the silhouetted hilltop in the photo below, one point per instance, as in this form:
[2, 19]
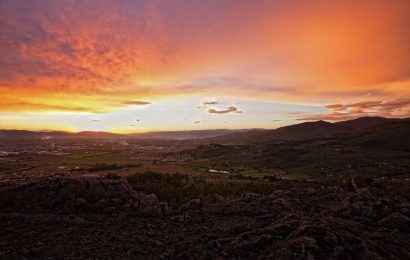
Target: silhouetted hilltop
[183, 135]
[310, 130]
[306, 130]
[299, 131]
[367, 121]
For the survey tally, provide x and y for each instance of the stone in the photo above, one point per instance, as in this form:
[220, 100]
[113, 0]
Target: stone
[149, 206]
[217, 199]
[191, 205]
[248, 197]
[166, 210]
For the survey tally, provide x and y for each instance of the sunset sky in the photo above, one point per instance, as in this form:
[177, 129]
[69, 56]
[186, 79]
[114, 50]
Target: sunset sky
[136, 66]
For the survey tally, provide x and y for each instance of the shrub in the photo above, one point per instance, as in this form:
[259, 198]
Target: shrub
[177, 189]
[104, 167]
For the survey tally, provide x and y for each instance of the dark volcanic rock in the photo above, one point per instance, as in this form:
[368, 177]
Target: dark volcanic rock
[396, 220]
[149, 206]
[42, 218]
[84, 195]
[191, 205]
[319, 223]
[369, 209]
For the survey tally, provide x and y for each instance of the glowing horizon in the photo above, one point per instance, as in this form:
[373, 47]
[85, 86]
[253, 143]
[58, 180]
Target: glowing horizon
[184, 65]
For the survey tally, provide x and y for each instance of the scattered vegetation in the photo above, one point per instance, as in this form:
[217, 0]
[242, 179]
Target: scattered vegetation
[177, 189]
[113, 166]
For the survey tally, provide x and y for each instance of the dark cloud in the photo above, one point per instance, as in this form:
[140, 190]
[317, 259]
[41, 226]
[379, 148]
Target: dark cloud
[230, 109]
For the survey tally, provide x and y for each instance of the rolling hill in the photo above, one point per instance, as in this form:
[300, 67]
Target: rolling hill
[394, 135]
[305, 130]
[299, 131]
[163, 135]
[363, 122]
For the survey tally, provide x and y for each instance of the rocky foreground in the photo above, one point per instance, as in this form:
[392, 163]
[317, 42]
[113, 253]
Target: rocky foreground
[106, 218]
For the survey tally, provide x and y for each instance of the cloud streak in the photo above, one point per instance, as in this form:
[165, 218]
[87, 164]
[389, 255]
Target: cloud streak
[210, 103]
[393, 108]
[388, 107]
[136, 103]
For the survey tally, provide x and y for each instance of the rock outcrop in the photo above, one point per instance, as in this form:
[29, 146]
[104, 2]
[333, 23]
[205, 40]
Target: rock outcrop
[66, 196]
[300, 223]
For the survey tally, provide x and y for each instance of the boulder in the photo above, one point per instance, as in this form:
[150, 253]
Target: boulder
[248, 197]
[365, 208]
[191, 205]
[217, 199]
[149, 206]
[166, 210]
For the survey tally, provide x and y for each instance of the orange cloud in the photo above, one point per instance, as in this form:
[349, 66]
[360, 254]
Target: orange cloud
[97, 56]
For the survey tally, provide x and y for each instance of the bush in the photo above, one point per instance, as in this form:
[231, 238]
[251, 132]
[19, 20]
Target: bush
[361, 181]
[104, 167]
[176, 189]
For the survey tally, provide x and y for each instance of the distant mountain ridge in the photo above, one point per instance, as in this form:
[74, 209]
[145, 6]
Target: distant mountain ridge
[297, 131]
[306, 130]
[166, 135]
